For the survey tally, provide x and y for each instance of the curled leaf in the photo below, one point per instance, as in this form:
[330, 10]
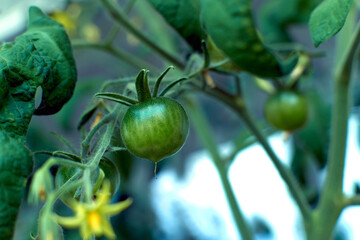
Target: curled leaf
[39, 57]
[231, 26]
[183, 16]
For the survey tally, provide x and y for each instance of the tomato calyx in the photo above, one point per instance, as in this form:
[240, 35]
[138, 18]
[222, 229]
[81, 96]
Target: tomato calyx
[142, 89]
[154, 127]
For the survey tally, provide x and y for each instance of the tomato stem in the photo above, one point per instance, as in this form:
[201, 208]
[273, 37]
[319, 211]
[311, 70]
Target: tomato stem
[155, 170]
[201, 126]
[238, 105]
[332, 198]
[121, 18]
[116, 52]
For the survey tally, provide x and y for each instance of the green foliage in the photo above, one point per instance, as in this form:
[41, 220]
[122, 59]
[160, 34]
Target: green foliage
[183, 16]
[16, 163]
[39, 57]
[230, 25]
[327, 19]
[274, 23]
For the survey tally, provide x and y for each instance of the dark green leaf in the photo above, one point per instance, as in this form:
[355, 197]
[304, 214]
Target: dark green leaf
[52, 44]
[40, 57]
[230, 25]
[327, 19]
[274, 23]
[183, 16]
[16, 163]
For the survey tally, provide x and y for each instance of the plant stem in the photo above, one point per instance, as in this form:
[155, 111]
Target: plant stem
[204, 132]
[285, 173]
[331, 197]
[124, 56]
[121, 18]
[85, 145]
[237, 104]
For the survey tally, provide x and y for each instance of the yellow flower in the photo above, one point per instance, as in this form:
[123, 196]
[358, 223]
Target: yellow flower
[94, 218]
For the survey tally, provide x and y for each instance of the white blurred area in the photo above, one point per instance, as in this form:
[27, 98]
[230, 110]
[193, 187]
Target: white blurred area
[200, 200]
[14, 14]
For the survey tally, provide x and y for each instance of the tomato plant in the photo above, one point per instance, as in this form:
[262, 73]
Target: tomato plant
[217, 52]
[286, 110]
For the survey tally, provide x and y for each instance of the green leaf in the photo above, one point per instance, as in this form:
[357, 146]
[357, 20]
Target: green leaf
[40, 57]
[183, 16]
[16, 163]
[50, 40]
[231, 26]
[327, 19]
[274, 23]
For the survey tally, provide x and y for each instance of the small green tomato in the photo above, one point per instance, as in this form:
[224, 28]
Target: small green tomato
[286, 110]
[155, 129]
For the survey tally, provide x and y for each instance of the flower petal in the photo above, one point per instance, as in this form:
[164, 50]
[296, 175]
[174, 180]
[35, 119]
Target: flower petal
[114, 209]
[69, 222]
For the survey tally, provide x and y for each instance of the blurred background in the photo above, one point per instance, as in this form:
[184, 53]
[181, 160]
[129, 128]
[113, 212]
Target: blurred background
[186, 201]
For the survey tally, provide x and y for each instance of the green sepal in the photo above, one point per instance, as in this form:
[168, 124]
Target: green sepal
[171, 85]
[117, 98]
[158, 81]
[142, 86]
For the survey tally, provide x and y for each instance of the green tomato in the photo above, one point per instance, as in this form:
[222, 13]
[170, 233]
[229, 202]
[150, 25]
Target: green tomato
[155, 129]
[286, 110]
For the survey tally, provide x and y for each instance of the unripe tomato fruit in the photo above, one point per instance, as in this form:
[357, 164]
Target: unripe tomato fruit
[286, 110]
[155, 129]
